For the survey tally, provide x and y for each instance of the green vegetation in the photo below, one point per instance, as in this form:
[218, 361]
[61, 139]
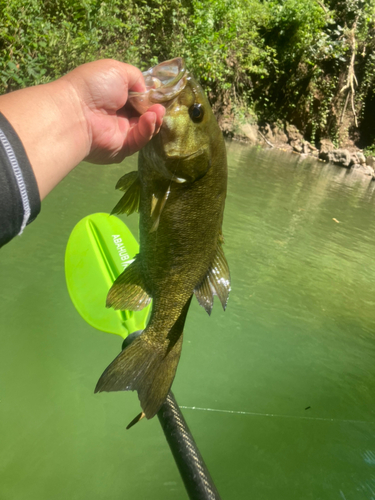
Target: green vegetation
[310, 62]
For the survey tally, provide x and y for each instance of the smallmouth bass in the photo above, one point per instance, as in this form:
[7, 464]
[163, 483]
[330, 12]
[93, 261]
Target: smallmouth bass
[179, 191]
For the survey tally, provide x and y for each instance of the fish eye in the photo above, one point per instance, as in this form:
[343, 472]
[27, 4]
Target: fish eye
[196, 112]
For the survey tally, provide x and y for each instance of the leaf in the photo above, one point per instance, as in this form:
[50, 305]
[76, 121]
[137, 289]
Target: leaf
[12, 66]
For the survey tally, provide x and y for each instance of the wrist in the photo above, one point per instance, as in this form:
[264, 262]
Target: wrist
[52, 127]
[70, 119]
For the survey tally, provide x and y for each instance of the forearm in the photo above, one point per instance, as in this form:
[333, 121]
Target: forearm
[79, 116]
[52, 127]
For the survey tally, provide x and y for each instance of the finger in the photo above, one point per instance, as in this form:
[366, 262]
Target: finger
[134, 76]
[127, 111]
[104, 84]
[145, 126]
[142, 129]
[140, 132]
[159, 110]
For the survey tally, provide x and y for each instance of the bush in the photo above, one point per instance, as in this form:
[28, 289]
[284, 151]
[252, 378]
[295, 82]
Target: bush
[284, 59]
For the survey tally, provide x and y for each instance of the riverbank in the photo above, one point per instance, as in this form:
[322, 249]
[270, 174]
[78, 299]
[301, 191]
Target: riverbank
[302, 62]
[288, 138]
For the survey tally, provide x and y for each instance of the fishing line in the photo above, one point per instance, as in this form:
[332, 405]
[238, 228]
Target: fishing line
[236, 412]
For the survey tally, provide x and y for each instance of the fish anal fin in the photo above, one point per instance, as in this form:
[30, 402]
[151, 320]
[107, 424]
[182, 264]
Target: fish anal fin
[129, 290]
[129, 203]
[136, 420]
[216, 282]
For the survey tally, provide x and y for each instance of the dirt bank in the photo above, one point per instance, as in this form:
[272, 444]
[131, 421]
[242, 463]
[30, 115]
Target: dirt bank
[286, 137]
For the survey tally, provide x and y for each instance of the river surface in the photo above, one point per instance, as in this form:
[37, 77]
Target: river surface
[279, 391]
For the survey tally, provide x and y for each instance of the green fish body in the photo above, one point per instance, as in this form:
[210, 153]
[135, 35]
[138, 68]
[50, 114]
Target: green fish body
[180, 191]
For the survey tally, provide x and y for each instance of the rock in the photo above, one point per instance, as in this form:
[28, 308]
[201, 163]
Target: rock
[250, 132]
[293, 134]
[338, 156]
[267, 131]
[358, 158]
[279, 135]
[370, 160]
[363, 169]
[323, 155]
[309, 149]
[362, 158]
[226, 125]
[297, 146]
[325, 146]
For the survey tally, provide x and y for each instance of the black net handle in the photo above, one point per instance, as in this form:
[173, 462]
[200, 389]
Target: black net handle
[193, 470]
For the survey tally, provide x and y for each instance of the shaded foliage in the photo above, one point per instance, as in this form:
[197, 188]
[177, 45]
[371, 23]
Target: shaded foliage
[277, 59]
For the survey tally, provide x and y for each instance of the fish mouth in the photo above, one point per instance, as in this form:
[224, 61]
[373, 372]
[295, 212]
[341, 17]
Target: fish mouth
[163, 83]
[187, 167]
[189, 156]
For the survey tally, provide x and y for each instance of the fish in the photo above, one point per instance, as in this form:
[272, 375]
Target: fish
[179, 190]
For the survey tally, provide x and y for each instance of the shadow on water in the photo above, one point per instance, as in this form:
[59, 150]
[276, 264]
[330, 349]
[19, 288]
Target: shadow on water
[278, 390]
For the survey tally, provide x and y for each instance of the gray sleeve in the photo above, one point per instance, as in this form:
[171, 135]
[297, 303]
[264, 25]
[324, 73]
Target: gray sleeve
[19, 194]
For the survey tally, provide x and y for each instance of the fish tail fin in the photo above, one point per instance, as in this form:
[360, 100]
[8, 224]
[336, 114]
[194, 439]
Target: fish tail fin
[147, 366]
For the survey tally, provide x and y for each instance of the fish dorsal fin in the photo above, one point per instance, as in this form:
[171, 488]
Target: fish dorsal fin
[129, 203]
[129, 290]
[216, 282]
[157, 206]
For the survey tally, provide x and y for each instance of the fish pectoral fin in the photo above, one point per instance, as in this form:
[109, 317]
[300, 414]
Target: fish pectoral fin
[157, 206]
[124, 183]
[131, 185]
[216, 282]
[129, 290]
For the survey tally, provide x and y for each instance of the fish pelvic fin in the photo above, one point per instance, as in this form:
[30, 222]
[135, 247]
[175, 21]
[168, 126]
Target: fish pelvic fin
[129, 203]
[129, 290]
[157, 206]
[147, 366]
[216, 282]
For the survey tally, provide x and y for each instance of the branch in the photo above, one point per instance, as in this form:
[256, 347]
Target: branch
[322, 6]
[265, 139]
[351, 80]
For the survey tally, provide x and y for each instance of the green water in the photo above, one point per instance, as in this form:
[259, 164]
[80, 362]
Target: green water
[278, 390]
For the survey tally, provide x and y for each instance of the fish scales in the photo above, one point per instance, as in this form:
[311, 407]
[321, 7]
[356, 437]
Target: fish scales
[180, 189]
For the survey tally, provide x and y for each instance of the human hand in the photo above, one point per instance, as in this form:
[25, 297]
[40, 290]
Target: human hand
[114, 130]
[80, 116]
